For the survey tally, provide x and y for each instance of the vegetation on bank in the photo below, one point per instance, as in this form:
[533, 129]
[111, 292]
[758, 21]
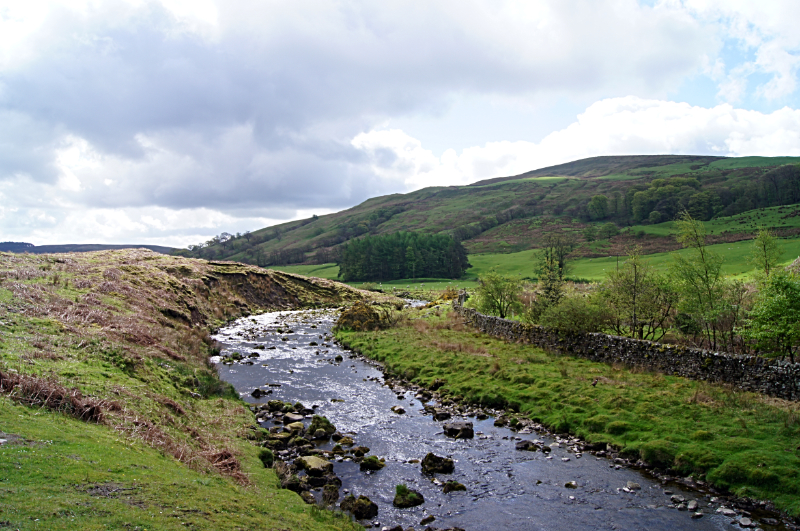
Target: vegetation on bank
[739, 441]
[112, 417]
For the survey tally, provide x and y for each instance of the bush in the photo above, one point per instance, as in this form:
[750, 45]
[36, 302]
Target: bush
[575, 314]
[267, 457]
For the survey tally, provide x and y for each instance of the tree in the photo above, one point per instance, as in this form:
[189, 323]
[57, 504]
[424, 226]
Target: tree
[555, 249]
[598, 207]
[576, 314]
[698, 277]
[774, 322]
[498, 294]
[766, 252]
[590, 233]
[640, 301]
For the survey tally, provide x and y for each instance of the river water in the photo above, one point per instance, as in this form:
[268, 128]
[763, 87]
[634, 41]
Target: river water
[507, 489]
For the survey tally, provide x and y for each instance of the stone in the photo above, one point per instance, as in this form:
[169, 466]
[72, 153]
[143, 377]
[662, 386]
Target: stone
[360, 451]
[433, 464]
[724, 511]
[318, 422]
[528, 446]
[459, 430]
[677, 498]
[453, 486]
[371, 462]
[571, 485]
[692, 505]
[362, 507]
[346, 441]
[441, 414]
[313, 465]
[319, 435]
[308, 497]
[288, 418]
[427, 520]
[698, 514]
[330, 494]
[633, 485]
[294, 426]
[405, 498]
[746, 522]
[399, 410]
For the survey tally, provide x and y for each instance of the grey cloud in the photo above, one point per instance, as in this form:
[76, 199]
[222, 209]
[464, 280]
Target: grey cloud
[301, 80]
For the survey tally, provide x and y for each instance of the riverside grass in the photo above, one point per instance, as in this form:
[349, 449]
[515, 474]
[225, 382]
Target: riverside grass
[173, 447]
[743, 442]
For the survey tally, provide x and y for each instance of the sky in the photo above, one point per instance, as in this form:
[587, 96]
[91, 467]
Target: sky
[167, 122]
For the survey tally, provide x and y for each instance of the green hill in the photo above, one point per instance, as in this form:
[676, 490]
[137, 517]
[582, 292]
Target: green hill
[637, 195]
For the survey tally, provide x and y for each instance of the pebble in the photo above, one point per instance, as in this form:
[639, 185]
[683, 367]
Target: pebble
[746, 522]
[724, 511]
[698, 514]
[692, 505]
[633, 485]
[565, 459]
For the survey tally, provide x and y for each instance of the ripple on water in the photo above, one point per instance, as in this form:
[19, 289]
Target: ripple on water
[506, 488]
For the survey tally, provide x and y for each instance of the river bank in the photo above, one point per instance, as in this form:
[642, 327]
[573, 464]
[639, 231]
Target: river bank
[111, 417]
[288, 368]
[738, 441]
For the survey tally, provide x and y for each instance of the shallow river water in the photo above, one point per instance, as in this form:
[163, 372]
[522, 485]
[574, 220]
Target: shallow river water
[507, 489]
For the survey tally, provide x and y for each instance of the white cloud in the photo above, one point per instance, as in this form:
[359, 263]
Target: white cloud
[617, 126]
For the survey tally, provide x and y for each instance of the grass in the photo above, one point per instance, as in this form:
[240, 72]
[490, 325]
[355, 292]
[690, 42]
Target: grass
[776, 218]
[522, 264]
[740, 441]
[169, 444]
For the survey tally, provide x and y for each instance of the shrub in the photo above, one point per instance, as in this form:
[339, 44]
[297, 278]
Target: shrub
[575, 314]
[267, 457]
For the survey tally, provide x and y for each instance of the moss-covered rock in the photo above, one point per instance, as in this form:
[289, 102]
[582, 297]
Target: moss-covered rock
[405, 497]
[372, 462]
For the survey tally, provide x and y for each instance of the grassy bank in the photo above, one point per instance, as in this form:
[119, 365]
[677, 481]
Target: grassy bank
[111, 416]
[740, 441]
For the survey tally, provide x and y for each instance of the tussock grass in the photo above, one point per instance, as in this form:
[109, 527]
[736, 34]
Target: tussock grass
[103, 356]
[741, 441]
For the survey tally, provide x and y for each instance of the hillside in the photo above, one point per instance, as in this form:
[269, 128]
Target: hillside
[22, 247]
[111, 416]
[591, 198]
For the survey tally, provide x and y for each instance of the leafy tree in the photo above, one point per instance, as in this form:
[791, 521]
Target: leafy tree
[555, 250]
[774, 322]
[590, 233]
[766, 252]
[607, 230]
[498, 294]
[640, 301]
[402, 255]
[598, 207]
[698, 277]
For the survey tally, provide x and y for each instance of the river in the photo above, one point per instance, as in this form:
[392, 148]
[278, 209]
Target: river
[293, 355]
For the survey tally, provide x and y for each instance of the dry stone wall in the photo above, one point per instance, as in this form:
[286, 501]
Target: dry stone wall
[771, 377]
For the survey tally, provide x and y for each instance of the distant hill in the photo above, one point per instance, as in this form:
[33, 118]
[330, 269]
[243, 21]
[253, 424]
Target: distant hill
[593, 198]
[20, 247]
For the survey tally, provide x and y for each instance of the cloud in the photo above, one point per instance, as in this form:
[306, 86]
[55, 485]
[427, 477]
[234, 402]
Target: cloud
[134, 119]
[616, 126]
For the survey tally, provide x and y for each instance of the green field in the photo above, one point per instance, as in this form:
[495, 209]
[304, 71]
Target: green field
[522, 264]
[776, 218]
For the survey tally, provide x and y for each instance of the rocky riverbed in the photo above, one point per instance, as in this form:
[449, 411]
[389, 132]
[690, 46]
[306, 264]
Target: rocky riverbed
[504, 473]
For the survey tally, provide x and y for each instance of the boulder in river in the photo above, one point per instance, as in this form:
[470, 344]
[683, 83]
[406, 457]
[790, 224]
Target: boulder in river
[362, 507]
[528, 446]
[405, 497]
[459, 430]
[321, 423]
[330, 494]
[441, 414]
[453, 486]
[313, 465]
[398, 409]
[372, 462]
[432, 464]
[288, 418]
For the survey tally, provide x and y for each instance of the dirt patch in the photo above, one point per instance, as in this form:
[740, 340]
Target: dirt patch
[105, 490]
[10, 439]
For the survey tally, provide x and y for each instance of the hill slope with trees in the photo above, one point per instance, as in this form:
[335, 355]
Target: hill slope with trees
[592, 198]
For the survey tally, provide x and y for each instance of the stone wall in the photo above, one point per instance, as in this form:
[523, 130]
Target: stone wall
[771, 377]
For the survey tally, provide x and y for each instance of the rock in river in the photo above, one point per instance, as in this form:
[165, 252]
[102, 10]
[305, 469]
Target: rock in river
[405, 498]
[313, 465]
[432, 464]
[292, 417]
[362, 507]
[459, 430]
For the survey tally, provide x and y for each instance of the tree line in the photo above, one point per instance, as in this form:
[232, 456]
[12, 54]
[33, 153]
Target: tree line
[402, 255]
